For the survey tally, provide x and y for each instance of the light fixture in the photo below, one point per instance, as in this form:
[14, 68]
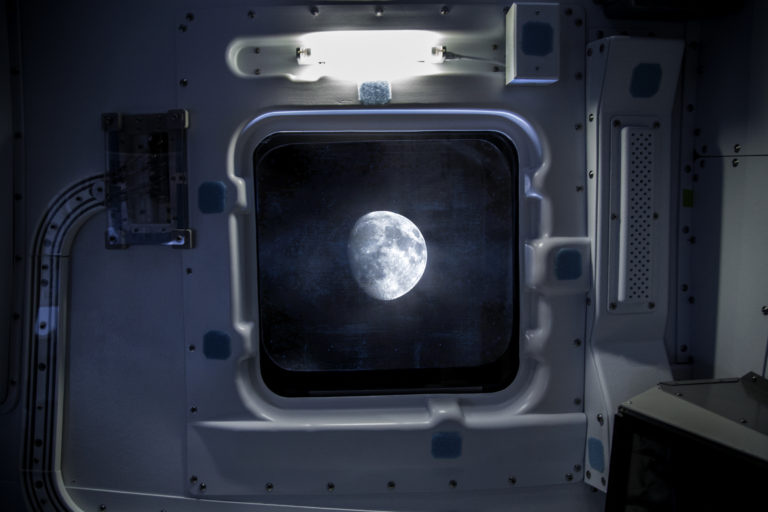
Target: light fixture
[364, 55]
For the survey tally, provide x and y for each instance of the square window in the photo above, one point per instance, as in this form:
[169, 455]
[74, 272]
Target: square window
[387, 262]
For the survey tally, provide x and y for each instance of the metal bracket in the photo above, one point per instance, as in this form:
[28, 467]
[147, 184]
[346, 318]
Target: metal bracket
[146, 179]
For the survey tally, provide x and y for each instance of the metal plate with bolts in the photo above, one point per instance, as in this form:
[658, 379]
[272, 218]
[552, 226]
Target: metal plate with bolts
[146, 179]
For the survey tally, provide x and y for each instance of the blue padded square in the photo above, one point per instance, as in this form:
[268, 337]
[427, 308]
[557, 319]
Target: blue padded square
[596, 454]
[216, 345]
[537, 39]
[212, 197]
[646, 79]
[446, 445]
[567, 264]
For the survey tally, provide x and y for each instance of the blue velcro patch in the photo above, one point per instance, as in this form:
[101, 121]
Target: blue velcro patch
[537, 39]
[216, 345]
[646, 79]
[212, 197]
[567, 264]
[596, 454]
[375, 93]
[446, 445]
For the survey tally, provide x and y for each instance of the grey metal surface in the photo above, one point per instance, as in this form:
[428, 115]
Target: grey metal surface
[123, 423]
[679, 413]
[6, 205]
[744, 400]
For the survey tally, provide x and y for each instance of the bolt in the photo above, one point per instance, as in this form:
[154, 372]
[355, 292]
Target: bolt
[742, 421]
[577, 468]
[600, 419]
[651, 305]
[445, 10]
[512, 480]
[390, 485]
[331, 487]
[736, 148]
[589, 474]
[591, 174]
[735, 162]
[269, 487]
[379, 11]
[183, 82]
[257, 71]
[314, 11]
[453, 484]
[569, 476]
[764, 309]
[577, 342]
[612, 305]
[591, 117]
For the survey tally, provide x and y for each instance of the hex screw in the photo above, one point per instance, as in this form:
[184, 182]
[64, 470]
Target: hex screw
[591, 117]
[577, 342]
[600, 419]
[764, 309]
[183, 82]
[453, 484]
[331, 487]
[736, 148]
[314, 11]
[589, 474]
[735, 162]
[569, 476]
[591, 174]
[379, 11]
[444, 10]
[269, 487]
[512, 480]
[391, 485]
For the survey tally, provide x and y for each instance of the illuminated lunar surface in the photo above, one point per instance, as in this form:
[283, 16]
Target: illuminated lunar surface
[387, 254]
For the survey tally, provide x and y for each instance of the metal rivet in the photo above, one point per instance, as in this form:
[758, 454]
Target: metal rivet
[577, 342]
[391, 485]
[651, 305]
[577, 468]
[183, 82]
[331, 486]
[193, 410]
[735, 162]
[445, 10]
[612, 305]
[764, 309]
[600, 419]
[269, 487]
[589, 474]
[569, 476]
[591, 174]
[591, 117]
[453, 484]
[192, 348]
[577, 401]
[314, 11]
[512, 480]
[736, 148]
[379, 11]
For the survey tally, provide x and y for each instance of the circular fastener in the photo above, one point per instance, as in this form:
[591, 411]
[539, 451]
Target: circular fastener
[651, 305]
[379, 11]
[445, 10]
[617, 123]
[588, 474]
[742, 421]
[753, 378]
[600, 419]
[577, 342]
[735, 162]
[183, 82]
[569, 476]
[736, 148]
[591, 117]
[577, 401]
[577, 468]
[331, 487]
[764, 309]
[203, 487]
[192, 348]
[269, 487]
[591, 174]
[193, 410]
[453, 484]
[314, 11]
[391, 485]
[612, 305]
[193, 479]
[512, 480]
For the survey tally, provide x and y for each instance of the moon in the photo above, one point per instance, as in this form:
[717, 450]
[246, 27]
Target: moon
[387, 254]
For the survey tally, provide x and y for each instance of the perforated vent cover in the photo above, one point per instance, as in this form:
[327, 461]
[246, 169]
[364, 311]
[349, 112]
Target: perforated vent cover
[633, 211]
[636, 215]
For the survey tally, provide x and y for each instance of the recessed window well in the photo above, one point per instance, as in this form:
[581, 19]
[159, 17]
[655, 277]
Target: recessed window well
[387, 262]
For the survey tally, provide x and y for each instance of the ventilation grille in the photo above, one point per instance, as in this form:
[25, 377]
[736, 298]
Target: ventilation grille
[636, 216]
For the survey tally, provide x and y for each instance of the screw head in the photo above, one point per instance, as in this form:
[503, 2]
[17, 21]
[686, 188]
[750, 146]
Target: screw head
[314, 11]
[269, 487]
[764, 309]
[512, 480]
[600, 419]
[183, 82]
[453, 484]
[588, 474]
[379, 11]
[735, 162]
[591, 174]
[569, 476]
[391, 485]
[591, 117]
[577, 342]
[445, 10]
[736, 148]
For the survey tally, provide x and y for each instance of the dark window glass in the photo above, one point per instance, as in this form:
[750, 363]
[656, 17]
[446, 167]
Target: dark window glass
[387, 263]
